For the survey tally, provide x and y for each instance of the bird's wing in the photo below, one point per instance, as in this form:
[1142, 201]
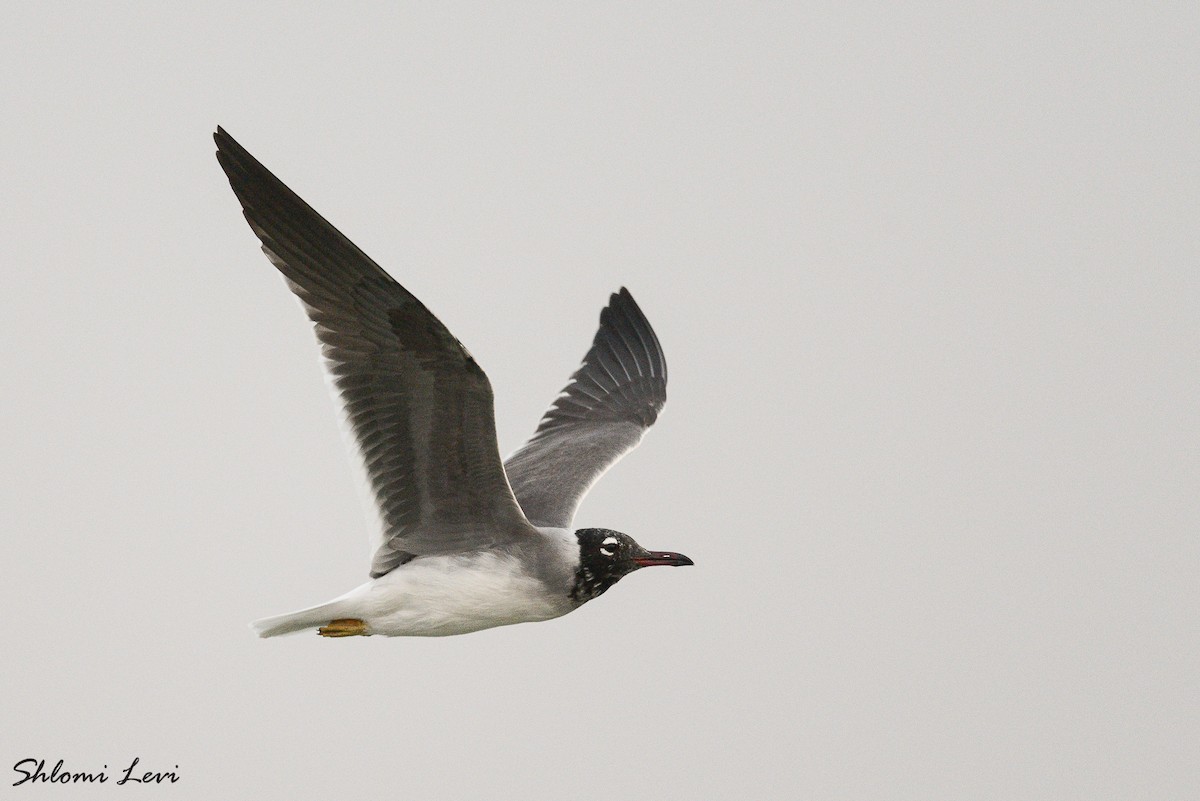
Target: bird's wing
[602, 414]
[418, 406]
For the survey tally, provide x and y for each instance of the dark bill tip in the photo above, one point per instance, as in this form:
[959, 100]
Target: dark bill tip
[653, 558]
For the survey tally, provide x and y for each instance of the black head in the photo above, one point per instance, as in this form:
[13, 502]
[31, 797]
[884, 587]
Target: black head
[605, 556]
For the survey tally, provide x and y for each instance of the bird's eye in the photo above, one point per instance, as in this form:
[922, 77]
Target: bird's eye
[609, 546]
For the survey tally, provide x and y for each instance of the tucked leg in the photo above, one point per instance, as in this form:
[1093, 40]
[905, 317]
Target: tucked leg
[344, 627]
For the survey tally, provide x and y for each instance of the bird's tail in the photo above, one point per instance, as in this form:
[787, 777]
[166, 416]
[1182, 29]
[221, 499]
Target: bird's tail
[292, 622]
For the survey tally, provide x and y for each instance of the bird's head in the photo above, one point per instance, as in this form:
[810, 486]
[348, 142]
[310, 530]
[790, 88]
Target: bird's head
[605, 556]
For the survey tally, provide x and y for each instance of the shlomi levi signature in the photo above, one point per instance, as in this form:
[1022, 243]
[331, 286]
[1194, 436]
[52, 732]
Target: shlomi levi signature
[35, 771]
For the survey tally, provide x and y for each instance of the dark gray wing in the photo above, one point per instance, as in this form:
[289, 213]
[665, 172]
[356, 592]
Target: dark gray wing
[611, 400]
[417, 404]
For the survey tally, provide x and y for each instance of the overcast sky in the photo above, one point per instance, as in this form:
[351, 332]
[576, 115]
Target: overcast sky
[926, 278]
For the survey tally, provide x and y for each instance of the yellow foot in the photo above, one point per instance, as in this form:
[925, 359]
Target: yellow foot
[344, 627]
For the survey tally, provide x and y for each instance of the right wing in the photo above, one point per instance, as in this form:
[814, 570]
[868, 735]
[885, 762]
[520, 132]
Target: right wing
[602, 414]
[418, 405]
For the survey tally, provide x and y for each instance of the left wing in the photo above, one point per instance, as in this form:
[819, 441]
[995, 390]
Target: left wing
[602, 414]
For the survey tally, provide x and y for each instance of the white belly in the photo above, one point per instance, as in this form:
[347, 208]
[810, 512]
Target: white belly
[441, 595]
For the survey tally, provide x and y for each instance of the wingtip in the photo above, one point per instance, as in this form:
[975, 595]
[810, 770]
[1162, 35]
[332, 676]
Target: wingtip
[229, 146]
[624, 314]
[225, 144]
[621, 297]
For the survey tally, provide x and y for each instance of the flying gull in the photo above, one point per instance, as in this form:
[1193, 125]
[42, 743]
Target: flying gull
[463, 541]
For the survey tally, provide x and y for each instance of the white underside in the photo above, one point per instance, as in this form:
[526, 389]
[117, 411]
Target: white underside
[435, 596]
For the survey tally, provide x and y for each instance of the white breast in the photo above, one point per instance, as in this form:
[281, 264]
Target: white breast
[441, 595]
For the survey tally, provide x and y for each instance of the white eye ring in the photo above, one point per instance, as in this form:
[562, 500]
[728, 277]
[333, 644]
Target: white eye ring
[609, 546]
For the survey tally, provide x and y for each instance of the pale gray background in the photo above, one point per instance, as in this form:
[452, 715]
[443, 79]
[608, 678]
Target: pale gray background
[927, 280]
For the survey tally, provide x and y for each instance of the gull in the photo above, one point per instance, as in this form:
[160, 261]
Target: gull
[461, 540]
